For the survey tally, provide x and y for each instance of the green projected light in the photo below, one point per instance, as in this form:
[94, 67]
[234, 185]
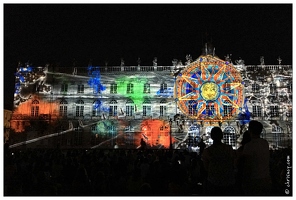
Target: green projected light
[132, 88]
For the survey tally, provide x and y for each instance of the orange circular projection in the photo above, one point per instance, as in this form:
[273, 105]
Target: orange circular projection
[209, 89]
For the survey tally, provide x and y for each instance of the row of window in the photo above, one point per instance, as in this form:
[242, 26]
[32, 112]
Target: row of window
[256, 87]
[130, 109]
[274, 111]
[113, 88]
[97, 108]
[163, 87]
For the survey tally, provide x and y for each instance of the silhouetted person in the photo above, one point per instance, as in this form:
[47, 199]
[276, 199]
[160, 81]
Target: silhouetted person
[257, 179]
[201, 146]
[239, 161]
[218, 160]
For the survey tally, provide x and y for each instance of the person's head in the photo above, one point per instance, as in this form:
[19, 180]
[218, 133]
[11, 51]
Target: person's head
[246, 138]
[216, 134]
[255, 128]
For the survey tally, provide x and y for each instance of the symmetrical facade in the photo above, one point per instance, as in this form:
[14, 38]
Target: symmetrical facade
[168, 106]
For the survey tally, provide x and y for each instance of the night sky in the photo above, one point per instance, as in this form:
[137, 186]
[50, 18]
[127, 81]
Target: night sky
[59, 34]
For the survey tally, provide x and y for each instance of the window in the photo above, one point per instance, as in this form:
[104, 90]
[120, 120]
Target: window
[63, 108]
[274, 111]
[210, 109]
[146, 108]
[164, 130]
[257, 111]
[35, 108]
[163, 87]
[80, 89]
[255, 87]
[79, 108]
[96, 108]
[227, 110]
[130, 88]
[113, 108]
[94, 128]
[113, 88]
[162, 108]
[129, 108]
[276, 132]
[146, 88]
[226, 87]
[64, 87]
[96, 89]
[229, 136]
[272, 88]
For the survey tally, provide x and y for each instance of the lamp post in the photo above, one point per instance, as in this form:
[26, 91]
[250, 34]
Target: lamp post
[170, 121]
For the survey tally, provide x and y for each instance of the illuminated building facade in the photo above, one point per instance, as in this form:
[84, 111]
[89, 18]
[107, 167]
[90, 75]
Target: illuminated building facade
[168, 106]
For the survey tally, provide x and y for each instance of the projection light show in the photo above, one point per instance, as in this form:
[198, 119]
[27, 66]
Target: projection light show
[209, 89]
[169, 107]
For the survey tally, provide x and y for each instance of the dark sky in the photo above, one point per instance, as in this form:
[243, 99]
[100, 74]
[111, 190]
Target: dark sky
[57, 34]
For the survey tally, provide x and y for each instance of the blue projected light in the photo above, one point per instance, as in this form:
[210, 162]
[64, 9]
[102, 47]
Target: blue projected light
[244, 117]
[99, 106]
[95, 79]
[166, 92]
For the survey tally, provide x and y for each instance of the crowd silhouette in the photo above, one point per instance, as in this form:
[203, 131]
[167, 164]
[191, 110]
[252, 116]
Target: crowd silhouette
[219, 170]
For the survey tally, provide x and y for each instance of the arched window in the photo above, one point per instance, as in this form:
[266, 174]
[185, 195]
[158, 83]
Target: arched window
[207, 136]
[79, 108]
[63, 107]
[229, 136]
[146, 107]
[96, 108]
[35, 108]
[113, 108]
[129, 108]
[227, 108]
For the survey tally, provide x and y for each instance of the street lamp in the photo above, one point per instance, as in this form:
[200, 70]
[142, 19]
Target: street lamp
[170, 121]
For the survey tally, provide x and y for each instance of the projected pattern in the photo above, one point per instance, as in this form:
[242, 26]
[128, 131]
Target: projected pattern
[209, 89]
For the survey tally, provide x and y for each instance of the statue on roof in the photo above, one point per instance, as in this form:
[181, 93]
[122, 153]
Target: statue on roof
[154, 61]
[188, 59]
[262, 60]
[280, 60]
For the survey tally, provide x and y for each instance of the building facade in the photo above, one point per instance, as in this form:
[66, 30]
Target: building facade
[7, 117]
[168, 106]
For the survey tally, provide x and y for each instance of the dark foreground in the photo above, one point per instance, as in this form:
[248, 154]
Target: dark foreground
[100, 172]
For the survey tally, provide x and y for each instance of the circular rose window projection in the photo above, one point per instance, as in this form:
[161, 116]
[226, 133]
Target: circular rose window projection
[209, 89]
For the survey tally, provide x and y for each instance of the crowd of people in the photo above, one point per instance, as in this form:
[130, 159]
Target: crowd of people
[252, 169]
